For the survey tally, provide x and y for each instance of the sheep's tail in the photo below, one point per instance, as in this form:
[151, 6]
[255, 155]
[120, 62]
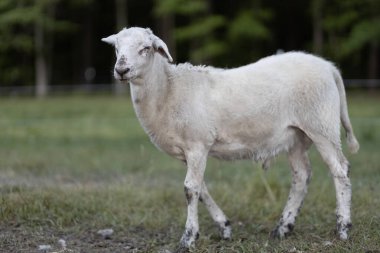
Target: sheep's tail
[353, 144]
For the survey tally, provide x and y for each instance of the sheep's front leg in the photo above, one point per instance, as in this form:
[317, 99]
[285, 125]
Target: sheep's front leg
[196, 164]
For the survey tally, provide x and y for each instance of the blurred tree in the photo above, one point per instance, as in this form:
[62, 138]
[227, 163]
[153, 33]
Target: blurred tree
[317, 21]
[246, 30]
[56, 41]
[121, 12]
[199, 30]
[26, 27]
[165, 17]
[41, 71]
[353, 27]
[16, 40]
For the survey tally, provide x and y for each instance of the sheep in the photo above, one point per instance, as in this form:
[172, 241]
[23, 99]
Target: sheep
[280, 104]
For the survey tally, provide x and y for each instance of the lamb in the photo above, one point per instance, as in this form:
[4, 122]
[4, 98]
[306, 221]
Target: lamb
[281, 103]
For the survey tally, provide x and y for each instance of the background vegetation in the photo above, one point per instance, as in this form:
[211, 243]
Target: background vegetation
[56, 42]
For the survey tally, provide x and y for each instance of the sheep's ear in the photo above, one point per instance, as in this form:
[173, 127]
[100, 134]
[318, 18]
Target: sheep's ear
[161, 48]
[110, 39]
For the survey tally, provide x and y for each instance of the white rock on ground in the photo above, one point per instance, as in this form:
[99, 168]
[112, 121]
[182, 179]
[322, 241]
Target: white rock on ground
[105, 233]
[44, 247]
[62, 243]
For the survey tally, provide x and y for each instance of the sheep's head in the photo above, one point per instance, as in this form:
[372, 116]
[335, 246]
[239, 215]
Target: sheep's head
[135, 47]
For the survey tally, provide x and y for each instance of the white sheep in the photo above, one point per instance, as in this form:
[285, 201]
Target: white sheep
[282, 103]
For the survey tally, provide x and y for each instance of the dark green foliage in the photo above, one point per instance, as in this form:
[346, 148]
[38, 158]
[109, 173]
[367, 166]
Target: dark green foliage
[18, 19]
[222, 33]
[352, 25]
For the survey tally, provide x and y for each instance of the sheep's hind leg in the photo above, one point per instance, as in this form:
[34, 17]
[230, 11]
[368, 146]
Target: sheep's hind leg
[339, 168]
[301, 174]
[216, 213]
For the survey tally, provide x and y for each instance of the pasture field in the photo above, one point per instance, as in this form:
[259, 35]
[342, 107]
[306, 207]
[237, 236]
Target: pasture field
[70, 166]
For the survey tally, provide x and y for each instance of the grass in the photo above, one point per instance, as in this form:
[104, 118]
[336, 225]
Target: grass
[70, 166]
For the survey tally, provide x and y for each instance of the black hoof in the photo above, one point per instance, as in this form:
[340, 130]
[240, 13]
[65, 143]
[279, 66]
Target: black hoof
[342, 230]
[275, 234]
[282, 232]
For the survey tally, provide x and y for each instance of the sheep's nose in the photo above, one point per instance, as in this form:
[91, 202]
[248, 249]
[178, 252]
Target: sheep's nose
[122, 70]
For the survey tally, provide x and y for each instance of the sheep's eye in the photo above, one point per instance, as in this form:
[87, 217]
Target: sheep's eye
[144, 50]
[116, 50]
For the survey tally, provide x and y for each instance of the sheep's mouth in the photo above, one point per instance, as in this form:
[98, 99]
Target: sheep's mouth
[126, 78]
[123, 78]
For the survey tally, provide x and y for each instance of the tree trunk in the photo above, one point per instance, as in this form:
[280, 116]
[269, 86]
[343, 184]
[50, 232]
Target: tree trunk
[41, 72]
[165, 31]
[89, 72]
[121, 14]
[373, 64]
[317, 6]
[121, 11]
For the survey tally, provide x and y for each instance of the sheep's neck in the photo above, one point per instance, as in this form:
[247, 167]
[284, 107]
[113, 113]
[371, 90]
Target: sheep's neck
[149, 94]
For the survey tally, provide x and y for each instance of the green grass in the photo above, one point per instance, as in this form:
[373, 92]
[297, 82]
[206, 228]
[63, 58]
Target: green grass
[71, 166]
